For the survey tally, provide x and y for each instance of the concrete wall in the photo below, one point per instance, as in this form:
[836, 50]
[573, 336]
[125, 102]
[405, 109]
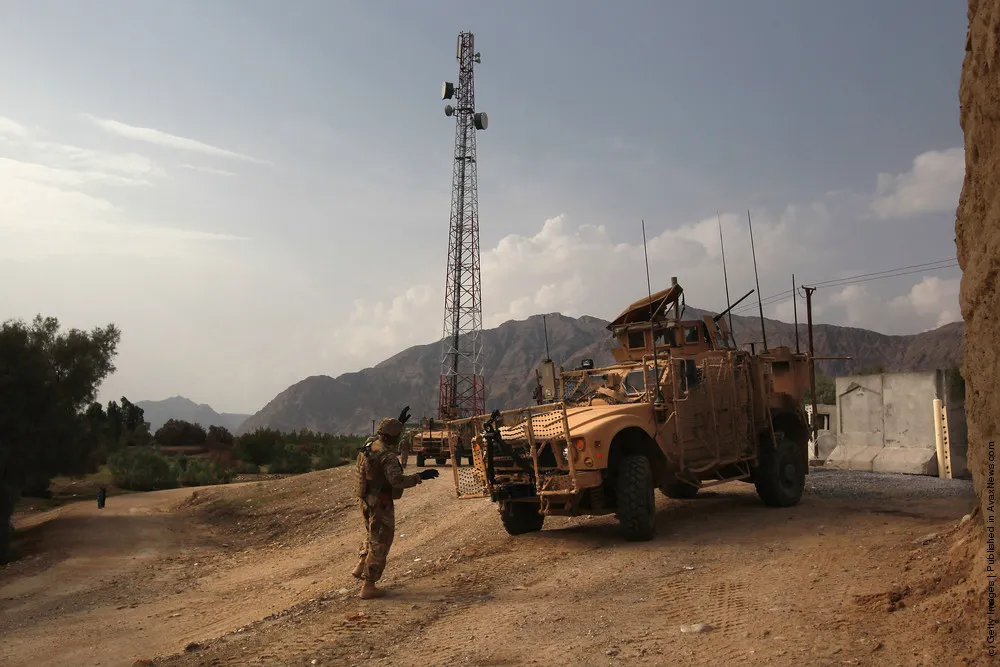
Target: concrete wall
[885, 423]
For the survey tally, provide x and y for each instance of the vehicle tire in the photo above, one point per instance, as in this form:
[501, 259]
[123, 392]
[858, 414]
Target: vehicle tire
[780, 476]
[636, 499]
[441, 460]
[420, 460]
[521, 518]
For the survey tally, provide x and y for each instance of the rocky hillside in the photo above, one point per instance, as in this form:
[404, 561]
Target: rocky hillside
[513, 350]
[977, 235]
[177, 407]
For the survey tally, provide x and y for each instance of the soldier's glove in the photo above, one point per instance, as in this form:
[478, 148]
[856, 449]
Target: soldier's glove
[428, 474]
[404, 416]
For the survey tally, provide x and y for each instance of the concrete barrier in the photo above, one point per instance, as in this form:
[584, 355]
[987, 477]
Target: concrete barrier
[885, 423]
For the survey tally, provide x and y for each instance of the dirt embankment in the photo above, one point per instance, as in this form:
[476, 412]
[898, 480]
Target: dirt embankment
[977, 232]
[259, 574]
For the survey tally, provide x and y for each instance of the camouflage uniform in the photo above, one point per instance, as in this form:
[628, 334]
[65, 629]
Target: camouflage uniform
[380, 482]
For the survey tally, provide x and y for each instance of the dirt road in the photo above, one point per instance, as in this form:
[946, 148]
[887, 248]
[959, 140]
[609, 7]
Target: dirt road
[259, 574]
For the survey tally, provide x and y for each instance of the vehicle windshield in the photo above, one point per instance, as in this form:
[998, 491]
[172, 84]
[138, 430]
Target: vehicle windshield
[580, 386]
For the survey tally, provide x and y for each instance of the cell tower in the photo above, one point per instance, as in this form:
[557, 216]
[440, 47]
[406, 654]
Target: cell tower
[462, 391]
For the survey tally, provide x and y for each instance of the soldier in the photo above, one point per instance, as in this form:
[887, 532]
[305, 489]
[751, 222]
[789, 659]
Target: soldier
[380, 482]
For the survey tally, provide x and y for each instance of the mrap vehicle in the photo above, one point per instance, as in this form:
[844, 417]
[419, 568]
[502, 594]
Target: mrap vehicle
[434, 440]
[680, 409]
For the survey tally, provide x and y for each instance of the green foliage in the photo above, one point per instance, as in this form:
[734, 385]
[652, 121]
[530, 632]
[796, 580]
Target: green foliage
[870, 370]
[48, 380]
[202, 472]
[331, 455]
[295, 452]
[826, 390]
[179, 433]
[142, 469]
[145, 469]
[122, 425]
[258, 447]
[219, 436]
[244, 468]
[290, 460]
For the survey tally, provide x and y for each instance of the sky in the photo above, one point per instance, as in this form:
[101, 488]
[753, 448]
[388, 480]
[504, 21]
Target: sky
[256, 192]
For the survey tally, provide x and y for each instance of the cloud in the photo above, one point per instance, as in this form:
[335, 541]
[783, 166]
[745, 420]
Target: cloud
[932, 298]
[55, 201]
[10, 128]
[208, 170]
[933, 185]
[375, 330]
[166, 140]
[583, 269]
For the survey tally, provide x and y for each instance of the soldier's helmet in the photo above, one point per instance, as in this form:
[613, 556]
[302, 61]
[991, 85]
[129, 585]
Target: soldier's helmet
[389, 427]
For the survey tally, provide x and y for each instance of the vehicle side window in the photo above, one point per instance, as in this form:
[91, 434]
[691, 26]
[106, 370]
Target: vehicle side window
[666, 337]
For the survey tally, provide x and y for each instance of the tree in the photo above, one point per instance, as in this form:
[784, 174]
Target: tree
[48, 382]
[219, 436]
[179, 433]
[259, 447]
[871, 370]
[124, 425]
[826, 390]
[290, 460]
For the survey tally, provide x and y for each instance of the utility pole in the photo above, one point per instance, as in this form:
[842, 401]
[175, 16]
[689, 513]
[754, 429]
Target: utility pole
[812, 368]
[795, 312]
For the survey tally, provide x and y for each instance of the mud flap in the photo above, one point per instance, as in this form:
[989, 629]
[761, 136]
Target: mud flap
[470, 481]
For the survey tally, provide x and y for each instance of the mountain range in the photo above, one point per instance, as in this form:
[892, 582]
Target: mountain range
[350, 402]
[177, 407]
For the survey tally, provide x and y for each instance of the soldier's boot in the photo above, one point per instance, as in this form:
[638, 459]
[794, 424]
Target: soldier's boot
[368, 591]
[359, 570]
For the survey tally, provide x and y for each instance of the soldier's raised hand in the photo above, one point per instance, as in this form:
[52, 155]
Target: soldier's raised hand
[404, 416]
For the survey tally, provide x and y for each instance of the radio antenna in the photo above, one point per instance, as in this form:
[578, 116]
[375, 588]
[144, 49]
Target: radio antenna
[652, 331]
[545, 330]
[725, 275]
[760, 305]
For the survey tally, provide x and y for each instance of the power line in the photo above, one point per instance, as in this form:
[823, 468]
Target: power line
[885, 274]
[862, 278]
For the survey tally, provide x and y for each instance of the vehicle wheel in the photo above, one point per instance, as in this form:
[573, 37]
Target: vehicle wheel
[636, 499]
[520, 518]
[441, 460]
[780, 476]
[420, 460]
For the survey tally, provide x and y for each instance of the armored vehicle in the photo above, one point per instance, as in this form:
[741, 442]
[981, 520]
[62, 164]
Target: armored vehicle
[434, 440]
[681, 408]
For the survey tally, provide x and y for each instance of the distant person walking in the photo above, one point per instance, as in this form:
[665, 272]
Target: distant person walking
[102, 495]
[380, 482]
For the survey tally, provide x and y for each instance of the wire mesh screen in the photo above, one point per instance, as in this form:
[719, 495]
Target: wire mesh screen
[471, 483]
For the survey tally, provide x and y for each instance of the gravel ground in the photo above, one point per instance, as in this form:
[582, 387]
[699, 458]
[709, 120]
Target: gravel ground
[857, 484]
